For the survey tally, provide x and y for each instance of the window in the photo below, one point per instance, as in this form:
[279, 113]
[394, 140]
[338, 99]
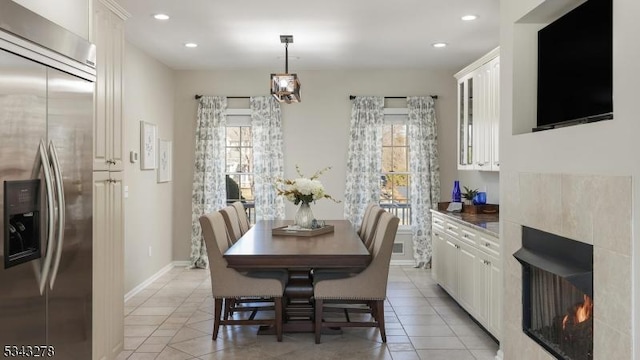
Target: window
[395, 178]
[239, 162]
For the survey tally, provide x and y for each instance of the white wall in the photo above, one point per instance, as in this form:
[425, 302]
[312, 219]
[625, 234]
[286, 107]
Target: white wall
[70, 14]
[148, 96]
[603, 148]
[316, 131]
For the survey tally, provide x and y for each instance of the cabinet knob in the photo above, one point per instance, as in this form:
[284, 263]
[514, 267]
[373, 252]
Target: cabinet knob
[487, 244]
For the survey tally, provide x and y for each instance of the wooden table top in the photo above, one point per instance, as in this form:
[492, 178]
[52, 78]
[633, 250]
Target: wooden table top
[258, 248]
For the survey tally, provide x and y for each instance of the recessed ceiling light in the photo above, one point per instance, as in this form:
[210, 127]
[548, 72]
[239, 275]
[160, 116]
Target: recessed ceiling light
[161, 17]
[469, 17]
[191, 45]
[439, 45]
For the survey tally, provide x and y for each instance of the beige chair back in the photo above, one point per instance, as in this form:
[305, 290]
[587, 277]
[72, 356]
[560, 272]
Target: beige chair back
[230, 216]
[365, 217]
[371, 226]
[243, 218]
[371, 283]
[227, 282]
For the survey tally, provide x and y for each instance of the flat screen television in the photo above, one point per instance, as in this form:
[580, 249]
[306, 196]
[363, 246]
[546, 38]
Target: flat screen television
[575, 67]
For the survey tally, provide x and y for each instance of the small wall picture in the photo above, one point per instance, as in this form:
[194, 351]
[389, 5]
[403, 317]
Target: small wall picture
[148, 145]
[164, 161]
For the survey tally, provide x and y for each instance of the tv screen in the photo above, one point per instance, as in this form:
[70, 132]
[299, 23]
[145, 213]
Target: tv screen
[575, 66]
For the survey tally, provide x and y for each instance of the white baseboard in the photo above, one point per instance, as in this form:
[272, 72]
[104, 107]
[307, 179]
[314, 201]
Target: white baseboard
[153, 277]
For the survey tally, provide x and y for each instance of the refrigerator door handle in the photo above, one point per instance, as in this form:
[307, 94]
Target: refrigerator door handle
[42, 268]
[61, 210]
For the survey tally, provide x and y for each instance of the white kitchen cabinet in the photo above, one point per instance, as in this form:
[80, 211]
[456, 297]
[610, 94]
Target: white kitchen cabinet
[108, 36]
[478, 114]
[466, 264]
[108, 218]
[466, 289]
[108, 265]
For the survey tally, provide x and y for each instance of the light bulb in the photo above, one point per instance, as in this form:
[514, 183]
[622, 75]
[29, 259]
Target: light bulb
[283, 83]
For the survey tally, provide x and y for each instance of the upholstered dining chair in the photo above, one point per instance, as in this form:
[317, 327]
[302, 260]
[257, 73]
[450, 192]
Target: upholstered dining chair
[227, 283]
[368, 286]
[230, 216]
[369, 231]
[367, 212]
[243, 218]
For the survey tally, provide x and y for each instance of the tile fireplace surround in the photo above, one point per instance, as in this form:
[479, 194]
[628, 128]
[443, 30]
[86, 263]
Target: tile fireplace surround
[591, 209]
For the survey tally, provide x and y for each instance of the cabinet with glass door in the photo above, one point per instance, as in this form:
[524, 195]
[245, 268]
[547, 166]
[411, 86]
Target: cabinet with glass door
[478, 114]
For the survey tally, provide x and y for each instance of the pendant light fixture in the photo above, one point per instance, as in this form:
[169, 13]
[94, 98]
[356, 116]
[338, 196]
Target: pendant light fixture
[286, 87]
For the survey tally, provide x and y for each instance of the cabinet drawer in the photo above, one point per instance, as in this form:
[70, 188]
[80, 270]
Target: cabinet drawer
[468, 236]
[438, 222]
[489, 245]
[452, 228]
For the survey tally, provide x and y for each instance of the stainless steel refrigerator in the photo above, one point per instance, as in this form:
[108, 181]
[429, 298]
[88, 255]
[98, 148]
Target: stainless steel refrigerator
[46, 141]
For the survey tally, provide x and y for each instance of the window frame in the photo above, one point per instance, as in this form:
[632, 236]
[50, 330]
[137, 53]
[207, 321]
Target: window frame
[240, 118]
[398, 116]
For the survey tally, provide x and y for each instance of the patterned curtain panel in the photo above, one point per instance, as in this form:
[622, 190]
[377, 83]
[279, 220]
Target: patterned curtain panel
[364, 162]
[424, 190]
[209, 191]
[268, 159]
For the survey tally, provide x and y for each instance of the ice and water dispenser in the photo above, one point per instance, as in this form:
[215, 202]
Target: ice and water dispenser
[21, 221]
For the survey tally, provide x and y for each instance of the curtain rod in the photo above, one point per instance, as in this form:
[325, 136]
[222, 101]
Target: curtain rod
[198, 96]
[352, 97]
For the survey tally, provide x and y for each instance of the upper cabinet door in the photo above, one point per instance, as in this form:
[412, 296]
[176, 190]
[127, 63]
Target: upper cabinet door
[478, 114]
[465, 122]
[108, 36]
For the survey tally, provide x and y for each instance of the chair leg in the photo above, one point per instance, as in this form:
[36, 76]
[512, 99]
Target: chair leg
[278, 305]
[379, 304]
[216, 318]
[318, 320]
[229, 309]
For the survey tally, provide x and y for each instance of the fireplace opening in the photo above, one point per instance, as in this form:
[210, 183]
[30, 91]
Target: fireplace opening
[557, 293]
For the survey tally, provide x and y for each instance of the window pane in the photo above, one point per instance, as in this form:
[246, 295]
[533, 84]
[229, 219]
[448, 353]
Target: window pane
[233, 159]
[400, 135]
[246, 136]
[387, 134]
[385, 188]
[387, 159]
[246, 186]
[400, 187]
[400, 159]
[233, 136]
[233, 188]
[246, 161]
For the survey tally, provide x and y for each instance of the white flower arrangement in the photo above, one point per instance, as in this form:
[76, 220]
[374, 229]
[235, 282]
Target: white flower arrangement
[303, 189]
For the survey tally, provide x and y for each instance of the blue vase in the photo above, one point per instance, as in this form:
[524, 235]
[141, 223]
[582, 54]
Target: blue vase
[480, 198]
[456, 194]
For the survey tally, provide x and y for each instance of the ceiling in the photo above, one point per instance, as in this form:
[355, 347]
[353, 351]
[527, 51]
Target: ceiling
[328, 34]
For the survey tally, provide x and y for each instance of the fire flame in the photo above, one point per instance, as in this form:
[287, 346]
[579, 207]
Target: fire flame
[582, 313]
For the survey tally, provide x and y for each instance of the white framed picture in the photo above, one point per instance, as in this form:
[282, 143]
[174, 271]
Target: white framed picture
[164, 161]
[148, 153]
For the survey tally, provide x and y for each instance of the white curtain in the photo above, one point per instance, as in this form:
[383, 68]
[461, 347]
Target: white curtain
[268, 158]
[424, 190]
[364, 162]
[209, 190]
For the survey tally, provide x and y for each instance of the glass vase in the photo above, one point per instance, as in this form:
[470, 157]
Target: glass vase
[304, 216]
[456, 194]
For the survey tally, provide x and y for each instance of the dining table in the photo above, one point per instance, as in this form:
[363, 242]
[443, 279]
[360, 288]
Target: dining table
[260, 248]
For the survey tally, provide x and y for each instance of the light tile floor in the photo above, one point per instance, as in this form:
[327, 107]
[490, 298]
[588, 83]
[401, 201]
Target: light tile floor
[172, 319]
